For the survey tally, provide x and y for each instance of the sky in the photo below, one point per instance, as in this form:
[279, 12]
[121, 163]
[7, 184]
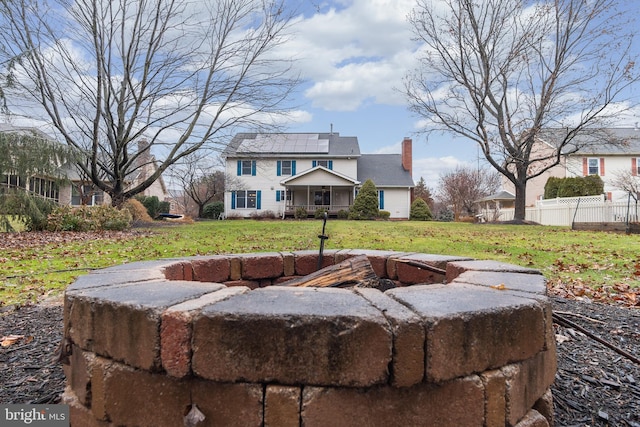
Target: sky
[353, 56]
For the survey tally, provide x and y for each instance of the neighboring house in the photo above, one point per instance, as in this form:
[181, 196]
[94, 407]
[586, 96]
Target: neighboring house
[286, 171]
[608, 160]
[599, 155]
[490, 206]
[44, 186]
[74, 189]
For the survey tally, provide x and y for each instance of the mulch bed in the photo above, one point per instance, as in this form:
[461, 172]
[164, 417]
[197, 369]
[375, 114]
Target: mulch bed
[595, 385]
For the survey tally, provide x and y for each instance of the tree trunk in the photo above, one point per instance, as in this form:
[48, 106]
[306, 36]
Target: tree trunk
[520, 202]
[117, 200]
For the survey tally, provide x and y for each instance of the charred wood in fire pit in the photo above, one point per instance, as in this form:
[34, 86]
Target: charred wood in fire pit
[356, 271]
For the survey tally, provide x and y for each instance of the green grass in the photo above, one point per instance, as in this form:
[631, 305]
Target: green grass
[600, 265]
[14, 222]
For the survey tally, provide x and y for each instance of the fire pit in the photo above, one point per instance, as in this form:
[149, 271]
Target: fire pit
[218, 340]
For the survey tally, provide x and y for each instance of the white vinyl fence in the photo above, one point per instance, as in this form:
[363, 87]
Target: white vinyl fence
[565, 211]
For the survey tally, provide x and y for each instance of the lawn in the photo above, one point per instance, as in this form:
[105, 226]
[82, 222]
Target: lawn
[600, 266]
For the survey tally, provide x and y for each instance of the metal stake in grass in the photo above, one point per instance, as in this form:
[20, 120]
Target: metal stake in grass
[322, 238]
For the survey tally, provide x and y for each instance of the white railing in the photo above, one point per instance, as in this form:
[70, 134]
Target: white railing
[313, 208]
[566, 213]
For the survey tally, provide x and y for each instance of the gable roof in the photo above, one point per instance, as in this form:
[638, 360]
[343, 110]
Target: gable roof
[292, 144]
[600, 141]
[502, 195]
[384, 170]
[26, 131]
[319, 171]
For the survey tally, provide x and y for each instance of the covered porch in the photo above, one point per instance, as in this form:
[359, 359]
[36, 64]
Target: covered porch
[318, 189]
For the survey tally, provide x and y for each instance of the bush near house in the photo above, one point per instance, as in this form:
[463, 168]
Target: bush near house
[445, 215]
[320, 213]
[154, 206]
[213, 210]
[137, 210]
[263, 215]
[420, 211]
[365, 205]
[590, 185]
[88, 218]
[300, 213]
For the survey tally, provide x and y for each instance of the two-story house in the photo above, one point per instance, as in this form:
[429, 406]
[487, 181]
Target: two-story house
[607, 152]
[286, 171]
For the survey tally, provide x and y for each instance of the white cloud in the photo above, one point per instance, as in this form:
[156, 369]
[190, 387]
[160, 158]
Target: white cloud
[356, 54]
[430, 168]
[390, 149]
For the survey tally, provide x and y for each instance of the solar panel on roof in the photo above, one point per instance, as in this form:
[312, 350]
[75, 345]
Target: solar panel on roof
[285, 143]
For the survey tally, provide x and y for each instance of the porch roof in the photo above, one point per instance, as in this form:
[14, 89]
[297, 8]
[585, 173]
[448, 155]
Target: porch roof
[319, 175]
[501, 196]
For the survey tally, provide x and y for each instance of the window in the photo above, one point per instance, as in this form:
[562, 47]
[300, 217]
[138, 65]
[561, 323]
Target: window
[592, 166]
[245, 199]
[247, 167]
[280, 195]
[286, 167]
[86, 195]
[13, 181]
[324, 163]
[44, 187]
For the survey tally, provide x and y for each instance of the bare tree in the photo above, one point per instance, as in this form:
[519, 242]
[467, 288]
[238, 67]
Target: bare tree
[200, 179]
[181, 75]
[627, 181]
[461, 188]
[499, 72]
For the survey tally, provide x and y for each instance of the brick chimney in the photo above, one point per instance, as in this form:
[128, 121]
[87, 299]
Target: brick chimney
[407, 155]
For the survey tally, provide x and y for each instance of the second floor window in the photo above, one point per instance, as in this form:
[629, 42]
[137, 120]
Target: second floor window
[247, 167]
[286, 167]
[324, 163]
[592, 166]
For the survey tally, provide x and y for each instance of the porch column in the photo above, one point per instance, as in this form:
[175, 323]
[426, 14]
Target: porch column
[330, 197]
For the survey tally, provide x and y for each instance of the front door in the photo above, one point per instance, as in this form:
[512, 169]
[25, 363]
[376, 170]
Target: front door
[322, 198]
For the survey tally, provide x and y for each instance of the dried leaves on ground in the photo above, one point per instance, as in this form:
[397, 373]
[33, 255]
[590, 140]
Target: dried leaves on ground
[42, 238]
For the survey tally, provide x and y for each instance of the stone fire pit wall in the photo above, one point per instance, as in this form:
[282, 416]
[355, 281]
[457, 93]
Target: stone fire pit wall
[216, 338]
